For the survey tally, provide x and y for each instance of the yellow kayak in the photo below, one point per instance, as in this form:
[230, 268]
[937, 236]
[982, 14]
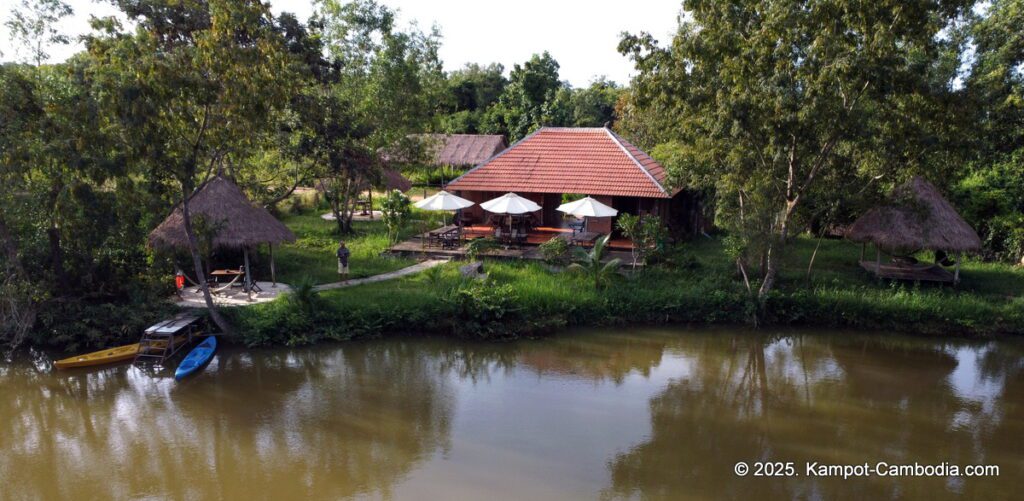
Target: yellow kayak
[109, 355]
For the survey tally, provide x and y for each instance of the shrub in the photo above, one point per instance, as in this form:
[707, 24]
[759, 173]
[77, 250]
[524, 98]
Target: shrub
[555, 250]
[395, 211]
[484, 310]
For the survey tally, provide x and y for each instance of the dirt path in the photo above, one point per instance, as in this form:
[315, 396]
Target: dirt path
[410, 270]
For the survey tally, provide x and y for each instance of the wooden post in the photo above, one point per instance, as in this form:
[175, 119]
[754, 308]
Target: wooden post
[956, 270]
[273, 273]
[248, 274]
[369, 201]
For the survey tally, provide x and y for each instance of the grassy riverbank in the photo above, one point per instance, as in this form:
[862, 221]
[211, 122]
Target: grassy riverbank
[698, 286]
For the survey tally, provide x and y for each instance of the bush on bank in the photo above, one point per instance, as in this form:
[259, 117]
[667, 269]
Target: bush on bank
[527, 299]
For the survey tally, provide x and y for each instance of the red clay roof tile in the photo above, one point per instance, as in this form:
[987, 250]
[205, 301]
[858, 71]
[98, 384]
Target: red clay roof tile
[591, 161]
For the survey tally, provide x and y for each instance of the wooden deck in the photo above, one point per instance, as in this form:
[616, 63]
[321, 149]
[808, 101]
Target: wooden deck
[415, 247]
[923, 272]
[540, 235]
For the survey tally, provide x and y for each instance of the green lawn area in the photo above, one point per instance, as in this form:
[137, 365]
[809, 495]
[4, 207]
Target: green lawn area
[697, 285]
[836, 266]
[312, 254]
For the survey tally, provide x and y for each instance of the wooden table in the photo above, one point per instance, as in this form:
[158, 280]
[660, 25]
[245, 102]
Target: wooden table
[436, 235]
[227, 273]
[236, 274]
[363, 206]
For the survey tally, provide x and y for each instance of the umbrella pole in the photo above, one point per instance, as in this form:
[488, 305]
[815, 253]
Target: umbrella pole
[248, 274]
[273, 273]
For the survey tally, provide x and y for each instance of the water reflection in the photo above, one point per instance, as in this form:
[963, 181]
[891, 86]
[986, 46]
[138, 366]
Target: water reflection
[652, 415]
[832, 400]
[271, 424]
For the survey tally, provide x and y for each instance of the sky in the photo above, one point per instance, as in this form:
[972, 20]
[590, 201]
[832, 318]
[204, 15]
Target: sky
[582, 35]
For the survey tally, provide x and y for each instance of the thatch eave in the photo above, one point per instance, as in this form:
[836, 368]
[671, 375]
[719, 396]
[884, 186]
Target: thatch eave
[922, 220]
[240, 224]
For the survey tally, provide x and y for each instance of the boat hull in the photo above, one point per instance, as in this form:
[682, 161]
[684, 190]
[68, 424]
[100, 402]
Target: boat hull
[107, 356]
[196, 359]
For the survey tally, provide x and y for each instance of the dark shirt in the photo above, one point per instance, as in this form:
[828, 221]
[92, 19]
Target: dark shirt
[343, 254]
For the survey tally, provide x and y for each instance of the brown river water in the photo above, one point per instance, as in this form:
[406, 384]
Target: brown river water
[640, 414]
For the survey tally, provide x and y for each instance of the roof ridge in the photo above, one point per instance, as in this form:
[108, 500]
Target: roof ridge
[495, 156]
[618, 141]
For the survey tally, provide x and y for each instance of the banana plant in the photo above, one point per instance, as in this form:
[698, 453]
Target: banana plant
[589, 263]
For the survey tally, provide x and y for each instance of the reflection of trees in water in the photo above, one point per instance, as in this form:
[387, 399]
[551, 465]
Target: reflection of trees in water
[276, 424]
[833, 400]
[596, 357]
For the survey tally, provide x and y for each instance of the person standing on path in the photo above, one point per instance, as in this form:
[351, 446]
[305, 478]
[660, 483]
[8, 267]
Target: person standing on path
[343, 254]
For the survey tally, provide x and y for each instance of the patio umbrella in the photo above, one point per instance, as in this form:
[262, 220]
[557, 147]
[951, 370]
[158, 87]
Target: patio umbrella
[443, 200]
[587, 207]
[510, 203]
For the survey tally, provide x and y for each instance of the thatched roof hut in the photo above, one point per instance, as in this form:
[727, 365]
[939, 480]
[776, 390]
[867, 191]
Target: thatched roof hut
[919, 218]
[390, 179]
[239, 223]
[457, 150]
[394, 180]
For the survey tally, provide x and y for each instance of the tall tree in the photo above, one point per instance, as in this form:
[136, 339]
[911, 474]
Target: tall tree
[991, 190]
[389, 84]
[777, 101]
[33, 26]
[521, 107]
[195, 81]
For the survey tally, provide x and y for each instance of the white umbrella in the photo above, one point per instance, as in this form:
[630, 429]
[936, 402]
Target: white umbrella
[443, 200]
[510, 203]
[587, 207]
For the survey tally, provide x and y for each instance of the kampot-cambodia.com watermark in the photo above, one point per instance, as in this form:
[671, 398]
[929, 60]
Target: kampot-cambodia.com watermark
[866, 469]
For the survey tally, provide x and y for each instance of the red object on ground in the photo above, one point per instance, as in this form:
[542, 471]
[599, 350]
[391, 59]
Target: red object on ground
[179, 281]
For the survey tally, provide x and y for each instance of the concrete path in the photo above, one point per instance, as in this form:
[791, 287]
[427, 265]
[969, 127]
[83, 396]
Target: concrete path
[410, 270]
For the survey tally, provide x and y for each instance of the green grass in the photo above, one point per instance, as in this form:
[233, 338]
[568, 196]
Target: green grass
[527, 298]
[699, 284]
[836, 266]
[313, 253]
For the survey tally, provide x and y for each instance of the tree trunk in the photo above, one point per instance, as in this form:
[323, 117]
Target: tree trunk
[197, 261]
[776, 250]
[56, 259]
[54, 237]
[16, 316]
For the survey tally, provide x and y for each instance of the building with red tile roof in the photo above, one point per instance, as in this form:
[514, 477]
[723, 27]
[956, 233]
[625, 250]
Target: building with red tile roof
[587, 161]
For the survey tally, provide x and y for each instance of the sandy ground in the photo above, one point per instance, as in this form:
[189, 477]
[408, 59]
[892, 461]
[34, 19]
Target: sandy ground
[233, 296]
[355, 217]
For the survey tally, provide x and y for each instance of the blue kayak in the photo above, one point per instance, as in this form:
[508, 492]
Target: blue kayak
[196, 359]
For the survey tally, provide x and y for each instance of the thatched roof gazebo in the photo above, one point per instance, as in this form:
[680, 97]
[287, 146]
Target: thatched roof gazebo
[918, 218]
[238, 223]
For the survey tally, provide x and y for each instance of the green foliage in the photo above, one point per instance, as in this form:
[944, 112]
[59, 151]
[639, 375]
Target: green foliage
[988, 301]
[395, 211]
[647, 233]
[774, 104]
[485, 310]
[590, 264]
[992, 201]
[479, 246]
[532, 85]
[33, 27]
[554, 250]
